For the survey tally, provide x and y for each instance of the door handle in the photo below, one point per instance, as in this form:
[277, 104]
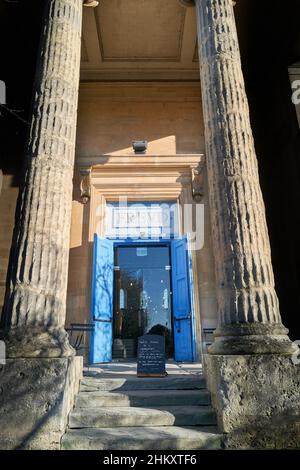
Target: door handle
[100, 320]
[188, 317]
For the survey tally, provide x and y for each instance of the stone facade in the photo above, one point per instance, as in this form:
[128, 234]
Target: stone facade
[253, 381]
[110, 117]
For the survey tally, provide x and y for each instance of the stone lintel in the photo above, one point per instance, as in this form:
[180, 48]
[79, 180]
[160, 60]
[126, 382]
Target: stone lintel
[257, 399]
[36, 396]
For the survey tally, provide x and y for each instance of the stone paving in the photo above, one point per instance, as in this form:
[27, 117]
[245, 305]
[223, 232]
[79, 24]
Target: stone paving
[125, 369]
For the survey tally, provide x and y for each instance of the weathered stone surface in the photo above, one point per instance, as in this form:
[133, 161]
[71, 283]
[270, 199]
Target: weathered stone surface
[34, 310]
[243, 267]
[257, 400]
[108, 417]
[141, 417]
[36, 396]
[143, 398]
[143, 438]
[94, 382]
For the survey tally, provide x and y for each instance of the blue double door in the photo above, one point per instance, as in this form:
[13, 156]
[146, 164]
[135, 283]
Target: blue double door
[102, 306]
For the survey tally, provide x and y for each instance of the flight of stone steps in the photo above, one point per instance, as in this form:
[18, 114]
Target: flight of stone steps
[172, 413]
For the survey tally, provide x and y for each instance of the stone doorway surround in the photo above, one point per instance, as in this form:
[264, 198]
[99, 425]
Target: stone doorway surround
[140, 178]
[146, 178]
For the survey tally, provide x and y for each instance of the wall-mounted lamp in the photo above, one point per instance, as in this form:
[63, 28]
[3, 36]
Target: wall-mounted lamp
[90, 3]
[139, 146]
[85, 185]
[197, 183]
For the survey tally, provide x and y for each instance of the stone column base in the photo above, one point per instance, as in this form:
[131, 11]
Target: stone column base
[257, 400]
[36, 396]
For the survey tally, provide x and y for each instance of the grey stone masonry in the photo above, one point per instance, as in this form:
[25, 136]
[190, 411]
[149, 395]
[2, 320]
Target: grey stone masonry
[34, 311]
[249, 317]
[256, 399]
[36, 397]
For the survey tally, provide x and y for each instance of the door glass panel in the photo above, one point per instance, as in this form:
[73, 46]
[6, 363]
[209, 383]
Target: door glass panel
[142, 293]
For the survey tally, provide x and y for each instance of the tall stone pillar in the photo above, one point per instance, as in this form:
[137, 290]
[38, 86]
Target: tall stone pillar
[41, 375]
[34, 311]
[251, 372]
[249, 318]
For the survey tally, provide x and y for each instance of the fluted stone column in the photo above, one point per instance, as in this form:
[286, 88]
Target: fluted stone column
[34, 311]
[249, 317]
[41, 376]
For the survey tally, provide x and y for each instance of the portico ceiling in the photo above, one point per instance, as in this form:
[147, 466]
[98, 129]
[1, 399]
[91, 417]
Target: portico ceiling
[139, 40]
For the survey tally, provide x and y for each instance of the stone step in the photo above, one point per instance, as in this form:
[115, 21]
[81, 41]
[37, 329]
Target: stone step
[147, 398]
[108, 417]
[142, 438]
[89, 384]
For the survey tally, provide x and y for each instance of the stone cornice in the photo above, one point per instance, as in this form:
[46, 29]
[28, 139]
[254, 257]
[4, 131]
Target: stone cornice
[152, 177]
[154, 162]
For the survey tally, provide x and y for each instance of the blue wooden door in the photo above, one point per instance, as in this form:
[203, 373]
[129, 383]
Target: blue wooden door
[102, 300]
[182, 315]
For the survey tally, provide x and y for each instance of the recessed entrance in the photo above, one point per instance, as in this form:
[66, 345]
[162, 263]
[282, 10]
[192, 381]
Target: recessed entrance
[142, 283]
[131, 296]
[142, 297]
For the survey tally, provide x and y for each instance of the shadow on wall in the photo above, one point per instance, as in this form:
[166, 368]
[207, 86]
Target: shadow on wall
[80, 265]
[170, 127]
[36, 397]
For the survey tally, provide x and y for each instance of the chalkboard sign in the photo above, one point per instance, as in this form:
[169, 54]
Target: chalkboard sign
[151, 360]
